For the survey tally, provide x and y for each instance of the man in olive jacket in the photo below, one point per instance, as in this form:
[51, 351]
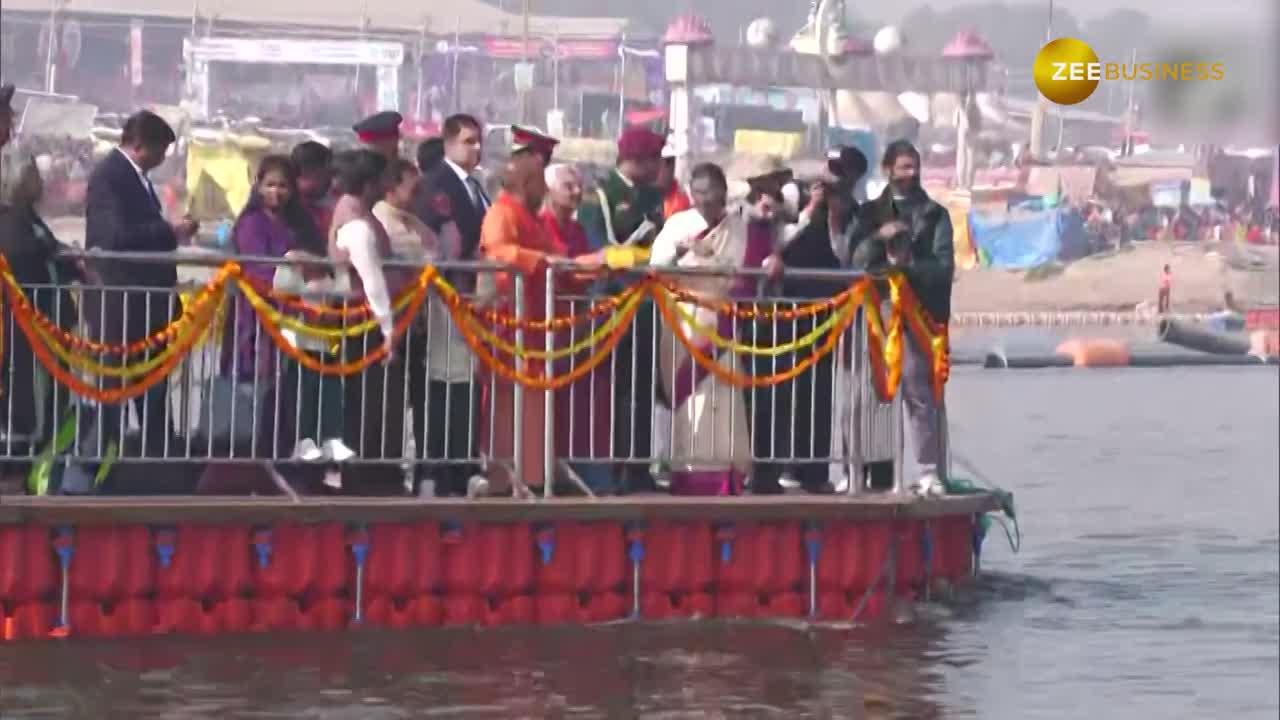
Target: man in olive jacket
[906, 230]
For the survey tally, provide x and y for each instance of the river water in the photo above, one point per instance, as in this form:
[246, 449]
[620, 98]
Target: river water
[1147, 586]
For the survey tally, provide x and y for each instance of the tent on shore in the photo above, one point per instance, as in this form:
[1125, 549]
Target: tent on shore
[1027, 240]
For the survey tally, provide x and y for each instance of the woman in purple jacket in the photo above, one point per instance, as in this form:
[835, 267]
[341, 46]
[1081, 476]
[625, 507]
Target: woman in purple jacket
[272, 223]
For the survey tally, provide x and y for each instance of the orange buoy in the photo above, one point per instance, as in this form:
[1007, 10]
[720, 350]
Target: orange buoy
[1095, 352]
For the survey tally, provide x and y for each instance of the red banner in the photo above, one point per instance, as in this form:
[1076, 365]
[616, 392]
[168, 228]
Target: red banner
[512, 49]
[1265, 319]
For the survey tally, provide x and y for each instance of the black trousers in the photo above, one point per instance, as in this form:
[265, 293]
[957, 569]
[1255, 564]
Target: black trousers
[633, 394]
[451, 436]
[792, 422]
[373, 425]
[117, 317]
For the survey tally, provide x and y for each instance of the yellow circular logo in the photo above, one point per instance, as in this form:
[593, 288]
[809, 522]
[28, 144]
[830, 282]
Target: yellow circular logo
[1067, 71]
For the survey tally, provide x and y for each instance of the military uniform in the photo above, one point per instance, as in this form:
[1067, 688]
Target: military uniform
[621, 213]
[628, 207]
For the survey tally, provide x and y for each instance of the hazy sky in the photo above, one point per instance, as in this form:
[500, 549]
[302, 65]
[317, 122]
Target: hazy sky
[1185, 13]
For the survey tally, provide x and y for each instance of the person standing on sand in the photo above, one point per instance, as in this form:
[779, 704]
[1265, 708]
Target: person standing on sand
[1166, 285]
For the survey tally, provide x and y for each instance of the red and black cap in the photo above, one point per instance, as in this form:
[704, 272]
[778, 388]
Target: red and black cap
[528, 140]
[379, 127]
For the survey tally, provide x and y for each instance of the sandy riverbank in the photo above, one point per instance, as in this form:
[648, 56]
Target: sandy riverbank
[1117, 282]
[1123, 280]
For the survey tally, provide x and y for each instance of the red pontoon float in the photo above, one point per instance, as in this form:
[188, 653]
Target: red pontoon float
[127, 566]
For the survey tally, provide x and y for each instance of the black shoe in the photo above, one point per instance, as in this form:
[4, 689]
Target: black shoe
[637, 480]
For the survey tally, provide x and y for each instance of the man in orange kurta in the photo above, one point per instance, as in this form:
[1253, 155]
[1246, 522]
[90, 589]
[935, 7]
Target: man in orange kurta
[512, 235]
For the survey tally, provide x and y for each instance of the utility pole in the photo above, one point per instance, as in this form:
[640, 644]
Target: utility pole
[422, 49]
[49, 70]
[524, 54]
[1038, 113]
[555, 69]
[1128, 109]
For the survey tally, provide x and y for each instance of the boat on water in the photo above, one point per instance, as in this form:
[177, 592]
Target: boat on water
[107, 565]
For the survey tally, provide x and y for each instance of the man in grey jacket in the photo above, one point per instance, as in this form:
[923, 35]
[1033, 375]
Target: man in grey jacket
[905, 230]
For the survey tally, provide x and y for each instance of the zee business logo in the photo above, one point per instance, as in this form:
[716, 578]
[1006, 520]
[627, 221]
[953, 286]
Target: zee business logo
[1067, 71]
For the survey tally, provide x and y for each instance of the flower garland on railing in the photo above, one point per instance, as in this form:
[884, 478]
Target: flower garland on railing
[486, 330]
[272, 320]
[53, 354]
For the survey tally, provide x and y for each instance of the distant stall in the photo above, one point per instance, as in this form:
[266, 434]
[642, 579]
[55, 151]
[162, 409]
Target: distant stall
[220, 170]
[1027, 240]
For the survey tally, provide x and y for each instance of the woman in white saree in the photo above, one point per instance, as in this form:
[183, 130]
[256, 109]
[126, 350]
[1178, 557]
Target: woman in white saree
[710, 437]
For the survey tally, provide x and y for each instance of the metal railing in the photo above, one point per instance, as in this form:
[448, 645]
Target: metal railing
[235, 397]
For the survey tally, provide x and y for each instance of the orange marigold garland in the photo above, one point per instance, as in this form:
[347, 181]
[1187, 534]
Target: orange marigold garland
[742, 380]
[23, 315]
[212, 292]
[500, 369]
[342, 368]
[930, 336]
[755, 312]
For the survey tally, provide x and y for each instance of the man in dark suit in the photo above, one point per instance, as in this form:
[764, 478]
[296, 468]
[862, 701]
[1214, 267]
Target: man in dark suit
[451, 190]
[123, 215]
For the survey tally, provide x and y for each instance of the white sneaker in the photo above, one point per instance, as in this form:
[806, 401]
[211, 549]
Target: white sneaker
[307, 450]
[928, 485]
[333, 478]
[788, 483]
[337, 451]
[427, 489]
[477, 486]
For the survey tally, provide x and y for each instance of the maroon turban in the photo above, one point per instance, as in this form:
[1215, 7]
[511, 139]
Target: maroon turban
[640, 144]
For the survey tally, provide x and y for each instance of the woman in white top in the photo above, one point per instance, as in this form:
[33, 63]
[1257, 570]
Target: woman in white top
[374, 406]
[440, 370]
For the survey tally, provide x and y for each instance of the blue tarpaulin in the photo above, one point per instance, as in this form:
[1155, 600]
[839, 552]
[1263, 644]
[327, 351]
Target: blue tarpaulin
[1018, 243]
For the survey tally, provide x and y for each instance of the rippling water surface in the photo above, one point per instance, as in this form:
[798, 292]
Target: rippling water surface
[1146, 587]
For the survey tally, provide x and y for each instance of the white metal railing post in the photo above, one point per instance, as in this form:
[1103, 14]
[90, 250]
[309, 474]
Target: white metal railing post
[548, 399]
[517, 445]
[858, 365]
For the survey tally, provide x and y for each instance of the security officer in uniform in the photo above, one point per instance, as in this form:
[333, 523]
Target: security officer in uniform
[626, 210]
[380, 132]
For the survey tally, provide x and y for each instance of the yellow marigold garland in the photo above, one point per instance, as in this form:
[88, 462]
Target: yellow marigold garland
[743, 380]
[535, 382]
[55, 347]
[740, 348]
[606, 328]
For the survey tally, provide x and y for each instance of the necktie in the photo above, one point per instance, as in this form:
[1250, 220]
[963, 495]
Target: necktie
[478, 197]
[151, 190]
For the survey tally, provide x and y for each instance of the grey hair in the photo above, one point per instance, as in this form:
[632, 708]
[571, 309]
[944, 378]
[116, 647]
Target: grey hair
[552, 173]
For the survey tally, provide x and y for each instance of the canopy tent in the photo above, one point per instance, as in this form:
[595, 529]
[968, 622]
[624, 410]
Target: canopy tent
[57, 119]
[1027, 240]
[873, 109]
